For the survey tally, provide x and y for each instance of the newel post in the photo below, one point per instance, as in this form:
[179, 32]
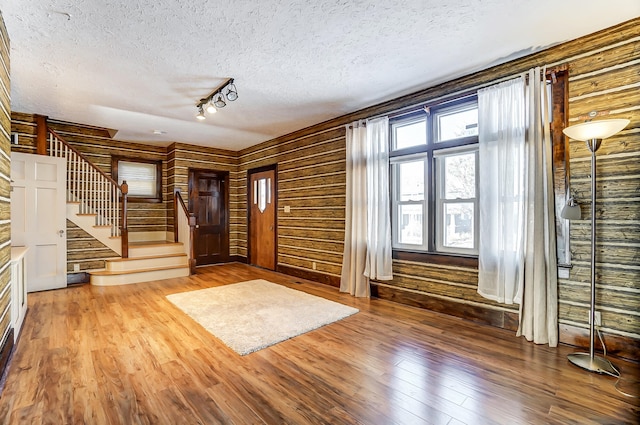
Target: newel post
[176, 191]
[41, 134]
[192, 249]
[124, 232]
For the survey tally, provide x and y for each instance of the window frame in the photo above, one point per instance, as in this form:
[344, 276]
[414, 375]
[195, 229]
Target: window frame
[396, 202]
[428, 151]
[440, 200]
[115, 159]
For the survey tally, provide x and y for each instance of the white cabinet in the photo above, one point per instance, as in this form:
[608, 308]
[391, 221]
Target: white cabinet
[18, 288]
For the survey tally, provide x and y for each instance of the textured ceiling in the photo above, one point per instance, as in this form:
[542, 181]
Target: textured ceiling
[139, 66]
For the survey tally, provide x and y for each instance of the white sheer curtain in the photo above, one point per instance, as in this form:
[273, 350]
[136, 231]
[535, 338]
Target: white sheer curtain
[517, 255]
[501, 118]
[367, 243]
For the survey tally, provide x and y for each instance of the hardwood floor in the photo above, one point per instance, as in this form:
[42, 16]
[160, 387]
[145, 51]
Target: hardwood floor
[126, 355]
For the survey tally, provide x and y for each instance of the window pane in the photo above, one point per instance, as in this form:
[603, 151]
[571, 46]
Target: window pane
[408, 135]
[458, 225]
[411, 180]
[410, 224]
[456, 124]
[459, 176]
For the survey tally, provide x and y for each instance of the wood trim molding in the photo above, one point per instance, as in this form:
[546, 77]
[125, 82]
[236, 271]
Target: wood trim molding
[500, 319]
[618, 346]
[435, 258]
[78, 278]
[309, 275]
[5, 355]
[238, 259]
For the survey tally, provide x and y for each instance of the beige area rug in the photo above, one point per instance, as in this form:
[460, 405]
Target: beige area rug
[252, 315]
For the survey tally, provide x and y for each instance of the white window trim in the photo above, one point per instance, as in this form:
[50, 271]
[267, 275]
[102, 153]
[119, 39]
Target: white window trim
[396, 203]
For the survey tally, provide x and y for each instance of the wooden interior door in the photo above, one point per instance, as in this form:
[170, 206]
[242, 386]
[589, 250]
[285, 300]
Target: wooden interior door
[262, 218]
[209, 201]
[39, 218]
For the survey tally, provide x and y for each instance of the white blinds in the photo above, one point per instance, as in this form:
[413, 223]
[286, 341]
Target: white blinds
[140, 176]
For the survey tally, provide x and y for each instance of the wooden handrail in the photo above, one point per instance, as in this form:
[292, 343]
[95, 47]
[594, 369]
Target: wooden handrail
[77, 152]
[177, 200]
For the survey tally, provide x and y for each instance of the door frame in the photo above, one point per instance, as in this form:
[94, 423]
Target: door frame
[250, 172]
[191, 175]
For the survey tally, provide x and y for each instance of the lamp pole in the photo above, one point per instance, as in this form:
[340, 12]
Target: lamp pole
[592, 362]
[593, 132]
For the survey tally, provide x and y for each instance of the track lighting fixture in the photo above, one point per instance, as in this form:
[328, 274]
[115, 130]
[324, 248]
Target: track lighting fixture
[217, 99]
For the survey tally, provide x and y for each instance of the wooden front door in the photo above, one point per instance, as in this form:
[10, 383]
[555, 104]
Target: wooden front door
[209, 201]
[262, 218]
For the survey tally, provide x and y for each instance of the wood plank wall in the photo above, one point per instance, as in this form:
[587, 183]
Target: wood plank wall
[181, 158]
[6, 331]
[604, 75]
[98, 146]
[311, 182]
[606, 79]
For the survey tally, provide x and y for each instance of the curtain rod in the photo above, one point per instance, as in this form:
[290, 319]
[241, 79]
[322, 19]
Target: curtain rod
[471, 91]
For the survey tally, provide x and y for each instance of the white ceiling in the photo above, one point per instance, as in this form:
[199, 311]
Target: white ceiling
[142, 65]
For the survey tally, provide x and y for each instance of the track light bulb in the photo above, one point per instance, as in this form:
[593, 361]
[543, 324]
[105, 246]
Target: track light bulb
[211, 109]
[232, 92]
[200, 115]
[218, 101]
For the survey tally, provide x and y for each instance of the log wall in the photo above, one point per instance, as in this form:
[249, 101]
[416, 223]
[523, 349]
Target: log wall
[6, 331]
[604, 76]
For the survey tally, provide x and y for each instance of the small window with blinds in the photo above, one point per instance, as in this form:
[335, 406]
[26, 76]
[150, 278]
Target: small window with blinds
[144, 178]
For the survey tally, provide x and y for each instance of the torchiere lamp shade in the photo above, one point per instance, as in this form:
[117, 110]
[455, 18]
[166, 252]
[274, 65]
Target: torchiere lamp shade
[600, 129]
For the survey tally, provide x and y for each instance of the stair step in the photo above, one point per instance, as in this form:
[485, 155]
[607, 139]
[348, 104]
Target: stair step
[123, 272]
[146, 262]
[111, 278]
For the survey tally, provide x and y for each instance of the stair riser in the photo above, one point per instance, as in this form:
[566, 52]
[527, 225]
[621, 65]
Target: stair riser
[146, 263]
[127, 279]
[143, 251]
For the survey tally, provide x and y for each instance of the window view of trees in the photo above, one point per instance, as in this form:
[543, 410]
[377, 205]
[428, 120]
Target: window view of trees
[437, 150]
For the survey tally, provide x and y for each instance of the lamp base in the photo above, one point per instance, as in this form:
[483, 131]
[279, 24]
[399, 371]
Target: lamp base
[595, 364]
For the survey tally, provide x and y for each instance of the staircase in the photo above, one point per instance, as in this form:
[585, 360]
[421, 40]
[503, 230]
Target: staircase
[94, 204]
[147, 261]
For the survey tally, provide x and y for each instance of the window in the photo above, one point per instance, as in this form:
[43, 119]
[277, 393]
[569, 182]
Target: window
[457, 201]
[144, 178]
[434, 179]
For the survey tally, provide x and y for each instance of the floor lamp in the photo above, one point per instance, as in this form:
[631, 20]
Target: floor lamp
[593, 132]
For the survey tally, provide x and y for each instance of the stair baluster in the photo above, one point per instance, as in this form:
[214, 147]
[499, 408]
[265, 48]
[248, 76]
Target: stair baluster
[94, 190]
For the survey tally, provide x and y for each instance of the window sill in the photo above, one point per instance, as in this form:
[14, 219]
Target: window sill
[437, 258]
